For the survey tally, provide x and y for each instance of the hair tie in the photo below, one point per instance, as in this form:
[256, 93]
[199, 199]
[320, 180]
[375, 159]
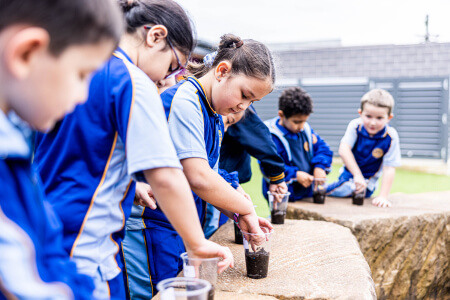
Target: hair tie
[239, 44]
[209, 58]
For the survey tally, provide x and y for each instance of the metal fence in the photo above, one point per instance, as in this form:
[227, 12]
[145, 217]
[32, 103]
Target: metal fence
[420, 113]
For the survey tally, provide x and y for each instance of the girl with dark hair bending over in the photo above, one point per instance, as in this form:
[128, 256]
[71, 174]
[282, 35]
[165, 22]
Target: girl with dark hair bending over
[241, 72]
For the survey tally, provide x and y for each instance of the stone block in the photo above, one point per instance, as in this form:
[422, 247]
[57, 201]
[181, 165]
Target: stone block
[308, 260]
[407, 246]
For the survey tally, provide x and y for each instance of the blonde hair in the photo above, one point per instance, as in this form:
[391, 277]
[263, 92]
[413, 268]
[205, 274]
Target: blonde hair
[379, 98]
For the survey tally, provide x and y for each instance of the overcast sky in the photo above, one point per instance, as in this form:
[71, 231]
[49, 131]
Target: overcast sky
[354, 22]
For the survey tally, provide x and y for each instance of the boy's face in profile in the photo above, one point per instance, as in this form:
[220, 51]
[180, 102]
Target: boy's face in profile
[374, 118]
[39, 86]
[294, 123]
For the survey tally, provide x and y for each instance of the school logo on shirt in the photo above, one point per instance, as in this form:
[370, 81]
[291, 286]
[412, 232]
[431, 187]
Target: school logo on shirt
[220, 137]
[377, 153]
[306, 146]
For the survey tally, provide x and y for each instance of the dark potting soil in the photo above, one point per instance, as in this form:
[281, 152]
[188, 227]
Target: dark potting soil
[199, 297]
[237, 235]
[278, 216]
[319, 197]
[257, 263]
[358, 199]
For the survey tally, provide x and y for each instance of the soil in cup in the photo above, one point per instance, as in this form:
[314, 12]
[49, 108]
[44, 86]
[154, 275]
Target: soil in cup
[278, 216]
[358, 198]
[319, 196]
[257, 263]
[237, 235]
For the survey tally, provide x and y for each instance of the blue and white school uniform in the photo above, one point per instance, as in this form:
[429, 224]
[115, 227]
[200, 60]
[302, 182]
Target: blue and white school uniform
[303, 151]
[196, 131]
[88, 160]
[33, 263]
[371, 153]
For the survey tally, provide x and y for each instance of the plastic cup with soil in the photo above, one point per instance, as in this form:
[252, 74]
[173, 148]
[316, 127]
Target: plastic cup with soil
[257, 253]
[237, 235]
[278, 206]
[319, 190]
[358, 198]
[179, 288]
[203, 268]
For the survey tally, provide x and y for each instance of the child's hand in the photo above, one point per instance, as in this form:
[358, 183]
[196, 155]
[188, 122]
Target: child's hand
[304, 178]
[360, 184]
[279, 188]
[208, 249]
[241, 191]
[381, 202]
[319, 173]
[144, 195]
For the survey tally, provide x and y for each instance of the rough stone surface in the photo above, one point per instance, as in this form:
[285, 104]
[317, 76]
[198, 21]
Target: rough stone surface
[407, 246]
[308, 260]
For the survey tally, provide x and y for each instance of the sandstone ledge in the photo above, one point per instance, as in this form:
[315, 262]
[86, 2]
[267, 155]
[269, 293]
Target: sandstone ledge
[309, 260]
[407, 246]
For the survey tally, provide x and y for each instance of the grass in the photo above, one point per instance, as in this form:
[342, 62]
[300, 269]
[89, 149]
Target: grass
[406, 181]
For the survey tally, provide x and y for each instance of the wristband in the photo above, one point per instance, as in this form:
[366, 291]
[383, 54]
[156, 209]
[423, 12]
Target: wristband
[236, 219]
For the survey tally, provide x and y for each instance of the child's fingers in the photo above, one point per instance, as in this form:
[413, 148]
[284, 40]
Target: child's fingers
[227, 259]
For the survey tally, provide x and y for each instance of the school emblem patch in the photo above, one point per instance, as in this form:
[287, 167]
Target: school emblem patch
[377, 153]
[220, 137]
[306, 146]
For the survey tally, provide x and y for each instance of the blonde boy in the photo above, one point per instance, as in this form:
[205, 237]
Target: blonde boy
[369, 148]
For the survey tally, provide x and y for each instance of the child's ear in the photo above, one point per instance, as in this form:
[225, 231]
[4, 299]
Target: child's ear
[359, 111]
[390, 116]
[222, 70]
[156, 34]
[280, 114]
[23, 49]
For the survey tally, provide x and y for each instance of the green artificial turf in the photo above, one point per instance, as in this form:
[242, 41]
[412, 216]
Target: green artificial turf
[405, 181]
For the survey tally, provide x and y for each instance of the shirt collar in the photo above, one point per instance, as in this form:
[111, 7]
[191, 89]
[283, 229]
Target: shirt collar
[286, 132]
[13, 142]
[119, 50]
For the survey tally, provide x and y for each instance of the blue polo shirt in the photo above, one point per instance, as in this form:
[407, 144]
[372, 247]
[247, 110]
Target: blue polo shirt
[196, 131]
[33, 263]
[88, 160]
[371, 152]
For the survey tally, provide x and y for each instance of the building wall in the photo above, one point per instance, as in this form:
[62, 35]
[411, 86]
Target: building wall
[418, 60]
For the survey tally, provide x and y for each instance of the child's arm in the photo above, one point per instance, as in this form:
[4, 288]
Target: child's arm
[391, 160]
[169, 184]
[323, 156]
[211, 187]
[386, 184]
[345, 151]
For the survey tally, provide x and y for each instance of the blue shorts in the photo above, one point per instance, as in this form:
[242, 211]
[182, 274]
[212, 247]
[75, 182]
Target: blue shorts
[344, 188]
[150, 255]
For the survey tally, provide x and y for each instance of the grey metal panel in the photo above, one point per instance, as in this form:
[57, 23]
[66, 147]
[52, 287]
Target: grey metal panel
[334, 107]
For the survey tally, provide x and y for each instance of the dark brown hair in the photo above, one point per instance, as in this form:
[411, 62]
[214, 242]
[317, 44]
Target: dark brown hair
[295, 101]
[138, 13]
[247, 57]
[68, 22]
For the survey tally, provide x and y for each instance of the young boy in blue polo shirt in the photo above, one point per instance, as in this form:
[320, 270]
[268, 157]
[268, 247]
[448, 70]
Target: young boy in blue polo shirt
[305, 154]
[369, 148]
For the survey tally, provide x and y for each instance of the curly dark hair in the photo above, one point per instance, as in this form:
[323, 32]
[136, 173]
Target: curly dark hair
[295, 101]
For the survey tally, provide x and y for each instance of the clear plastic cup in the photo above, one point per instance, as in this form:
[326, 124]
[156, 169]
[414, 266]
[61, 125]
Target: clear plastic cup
[319, 190]
[358, 198]
[203, 268]
[183, 288]
[278, 206]
[257, 252]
